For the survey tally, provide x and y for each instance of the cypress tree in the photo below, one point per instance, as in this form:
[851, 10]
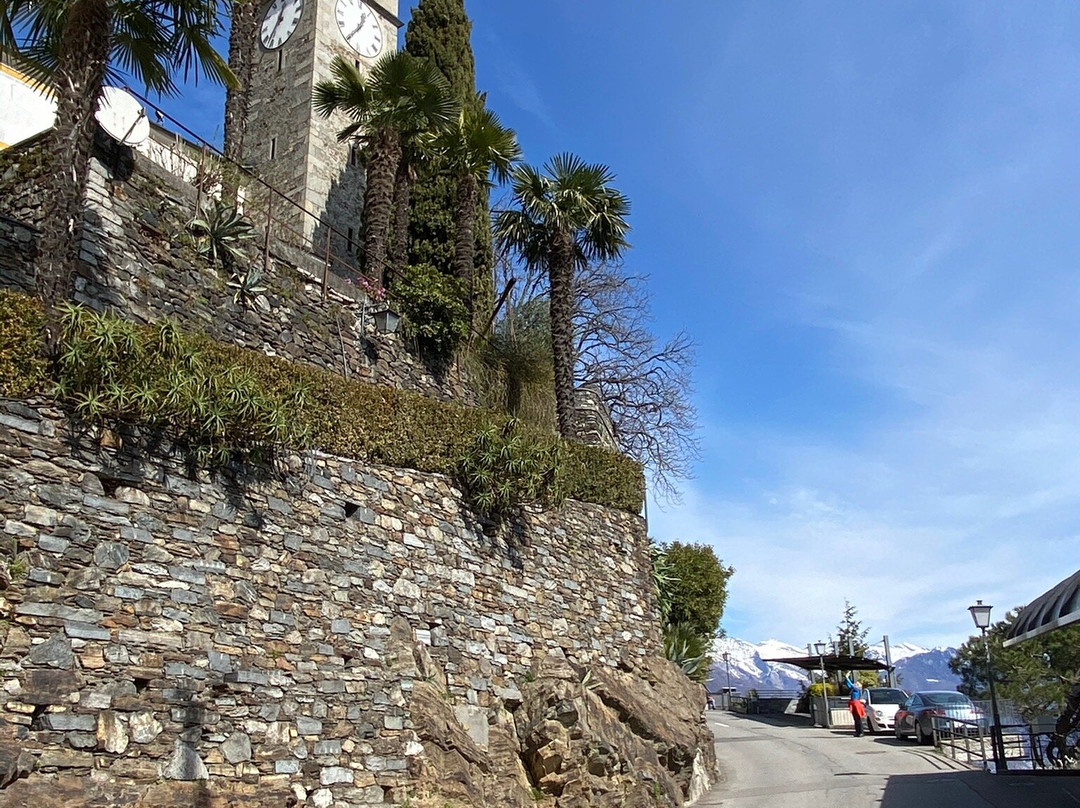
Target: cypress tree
[439, 30]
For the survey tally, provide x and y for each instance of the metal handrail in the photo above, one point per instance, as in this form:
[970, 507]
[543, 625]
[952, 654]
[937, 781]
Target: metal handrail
[955, 737]
[951, 735]
[326, 254]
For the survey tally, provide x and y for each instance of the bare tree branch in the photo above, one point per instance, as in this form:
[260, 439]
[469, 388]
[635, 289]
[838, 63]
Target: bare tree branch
[645, 383]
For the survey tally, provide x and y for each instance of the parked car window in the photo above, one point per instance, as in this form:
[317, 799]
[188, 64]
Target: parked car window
[887, 695]
[947, 698]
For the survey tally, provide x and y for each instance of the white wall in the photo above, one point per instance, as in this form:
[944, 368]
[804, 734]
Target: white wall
[25, 110]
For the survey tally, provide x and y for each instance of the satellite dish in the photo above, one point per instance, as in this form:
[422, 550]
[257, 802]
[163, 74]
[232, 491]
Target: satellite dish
[122, 116]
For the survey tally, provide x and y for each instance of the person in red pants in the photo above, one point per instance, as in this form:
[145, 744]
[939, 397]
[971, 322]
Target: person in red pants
[855, 703]
[858, 712]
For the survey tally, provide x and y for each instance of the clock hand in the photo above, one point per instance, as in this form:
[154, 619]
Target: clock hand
[277, 23]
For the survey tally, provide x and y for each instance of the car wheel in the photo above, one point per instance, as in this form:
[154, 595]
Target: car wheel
[924, 739]
[896, 731]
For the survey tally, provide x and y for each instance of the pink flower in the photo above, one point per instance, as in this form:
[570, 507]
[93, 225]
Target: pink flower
[373, 290]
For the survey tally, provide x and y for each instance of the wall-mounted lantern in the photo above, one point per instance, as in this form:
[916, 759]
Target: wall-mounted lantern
[386, 320]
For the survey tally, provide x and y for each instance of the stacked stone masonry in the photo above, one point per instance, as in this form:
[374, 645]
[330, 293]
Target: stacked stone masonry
[138, 261]
[236, 627]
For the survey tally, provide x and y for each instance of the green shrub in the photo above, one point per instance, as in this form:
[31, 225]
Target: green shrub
[697, 590]
[688, 649]
[111, 369]
[505, 468]
[22, 367]
[815, 689]
[222, 401]
[596, 474]
[405, 429]
[434, 307]
[366, 421]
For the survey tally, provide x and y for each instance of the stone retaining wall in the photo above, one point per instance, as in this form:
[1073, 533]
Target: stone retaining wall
[235, 627]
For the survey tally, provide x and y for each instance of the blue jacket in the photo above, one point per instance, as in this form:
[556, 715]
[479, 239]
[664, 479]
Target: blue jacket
[856, 688]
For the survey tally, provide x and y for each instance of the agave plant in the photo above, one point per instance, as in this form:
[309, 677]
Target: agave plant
[688, 649]
[221, 231]
[247, 285]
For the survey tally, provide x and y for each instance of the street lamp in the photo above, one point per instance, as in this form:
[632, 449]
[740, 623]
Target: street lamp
[727, 666]
[981, 615]
[820, 648]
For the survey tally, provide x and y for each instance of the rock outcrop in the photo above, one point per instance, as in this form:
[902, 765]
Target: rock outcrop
[631, 737]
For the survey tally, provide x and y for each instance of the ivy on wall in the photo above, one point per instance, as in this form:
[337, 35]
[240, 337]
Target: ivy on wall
[222, 401]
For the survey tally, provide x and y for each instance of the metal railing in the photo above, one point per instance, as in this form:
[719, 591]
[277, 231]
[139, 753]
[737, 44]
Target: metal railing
[963, 740]
[970, 742]
[764, 700]
[199, 162]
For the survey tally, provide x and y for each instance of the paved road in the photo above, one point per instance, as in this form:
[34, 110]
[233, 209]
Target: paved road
[785, 763]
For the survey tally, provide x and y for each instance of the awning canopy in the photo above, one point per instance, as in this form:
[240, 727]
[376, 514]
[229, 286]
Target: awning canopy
[833, 663]
[1051, 610]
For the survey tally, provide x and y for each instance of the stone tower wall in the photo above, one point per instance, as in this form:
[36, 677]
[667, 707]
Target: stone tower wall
[309, 164]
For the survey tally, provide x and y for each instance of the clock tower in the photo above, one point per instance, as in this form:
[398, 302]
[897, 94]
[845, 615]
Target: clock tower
[287, 142]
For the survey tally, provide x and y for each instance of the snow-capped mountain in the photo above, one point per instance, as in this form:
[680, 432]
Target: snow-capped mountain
[927, 671]
[920, 668]
[897, 651]
[917, 668]
[748, 668]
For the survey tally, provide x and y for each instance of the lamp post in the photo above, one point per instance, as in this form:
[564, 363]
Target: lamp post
[820, 648]
[727, 667]
[981, 615]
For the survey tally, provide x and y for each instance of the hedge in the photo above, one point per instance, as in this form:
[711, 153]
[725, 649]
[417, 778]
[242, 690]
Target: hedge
[322, 409]
[22, 370]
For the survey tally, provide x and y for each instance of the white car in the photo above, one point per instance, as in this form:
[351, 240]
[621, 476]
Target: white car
[882, 704]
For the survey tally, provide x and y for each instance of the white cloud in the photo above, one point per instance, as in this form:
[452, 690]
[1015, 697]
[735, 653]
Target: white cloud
[969, 486]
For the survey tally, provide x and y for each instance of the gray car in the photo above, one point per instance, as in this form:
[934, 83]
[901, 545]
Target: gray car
[916, 715]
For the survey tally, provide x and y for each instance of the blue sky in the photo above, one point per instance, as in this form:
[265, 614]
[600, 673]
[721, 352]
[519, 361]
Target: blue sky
[865, 213]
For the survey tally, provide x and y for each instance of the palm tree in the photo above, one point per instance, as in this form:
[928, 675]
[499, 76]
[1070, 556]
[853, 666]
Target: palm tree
[402, 102]
[73, 45]
[243, 43]
[567, 214]
[417, 149]
[476, 149]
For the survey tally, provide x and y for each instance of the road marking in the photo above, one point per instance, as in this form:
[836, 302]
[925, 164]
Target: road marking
[722, 724]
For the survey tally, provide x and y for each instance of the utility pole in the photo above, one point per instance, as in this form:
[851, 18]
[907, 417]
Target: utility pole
[888, 661]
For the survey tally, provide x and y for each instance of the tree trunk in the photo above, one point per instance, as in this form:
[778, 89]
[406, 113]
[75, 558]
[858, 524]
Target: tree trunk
[378, 202]
[242, 34]
[465, 238]
[402, 188]
[561, 279]
[80, 73]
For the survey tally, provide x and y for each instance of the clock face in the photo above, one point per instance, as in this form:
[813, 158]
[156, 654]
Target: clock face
[279, 21]
[359, 24]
